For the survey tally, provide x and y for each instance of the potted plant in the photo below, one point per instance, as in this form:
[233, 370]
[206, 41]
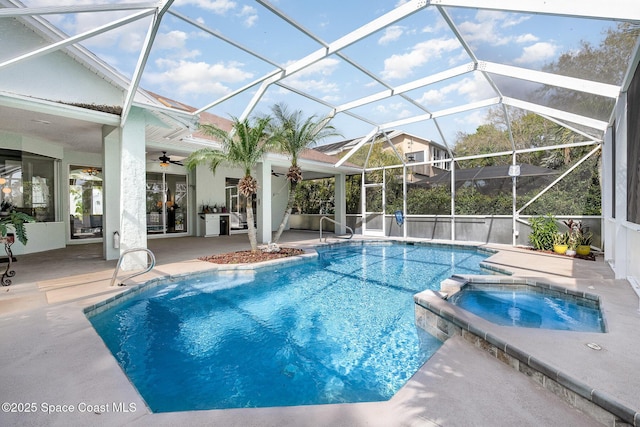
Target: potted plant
[15, 221]
[561, 243]
[583, 240]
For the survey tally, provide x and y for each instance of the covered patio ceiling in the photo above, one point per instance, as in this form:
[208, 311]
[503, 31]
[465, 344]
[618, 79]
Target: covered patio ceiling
[432, 68]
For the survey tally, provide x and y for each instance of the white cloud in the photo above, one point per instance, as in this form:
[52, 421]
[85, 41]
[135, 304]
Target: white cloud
[536, 53]
[489, 27]
[471, 120]
[402, 65]
[250, 15]
[391, 34]
[332, 99]
[187, 77]
[171, 40]
[393, 111]
[219, 7]
[314, 86]
[432, 97]
[470, 89]
[526, 38]
[313, 78]
[483, 32]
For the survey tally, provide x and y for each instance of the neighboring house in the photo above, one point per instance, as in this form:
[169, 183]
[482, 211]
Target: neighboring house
[426, 157]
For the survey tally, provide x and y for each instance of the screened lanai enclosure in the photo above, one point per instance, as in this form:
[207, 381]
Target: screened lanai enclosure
[519, 95]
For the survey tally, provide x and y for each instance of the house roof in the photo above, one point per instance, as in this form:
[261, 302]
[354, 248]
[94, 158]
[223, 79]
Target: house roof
[341, 146]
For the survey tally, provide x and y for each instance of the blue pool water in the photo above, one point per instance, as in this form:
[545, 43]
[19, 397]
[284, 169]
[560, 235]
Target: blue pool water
[530, 309]
[339, 328]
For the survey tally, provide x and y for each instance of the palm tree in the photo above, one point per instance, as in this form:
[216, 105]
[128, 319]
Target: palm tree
[294, 135]
[243, 147]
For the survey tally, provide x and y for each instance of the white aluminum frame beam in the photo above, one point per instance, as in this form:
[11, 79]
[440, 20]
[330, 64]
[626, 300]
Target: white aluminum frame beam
[366, 30]
[425, 81]
[623, 10]
[572, 128]
[558, 114]
[587, 86]
[78, 38]
[238, 91]
[447, 112]
[12, 12]
[560, 178]
[220, 36]
[356, 147]
[333, 48]
[144, 56]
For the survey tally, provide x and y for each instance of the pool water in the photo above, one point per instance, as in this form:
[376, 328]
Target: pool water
[530, 309]
[339, 328]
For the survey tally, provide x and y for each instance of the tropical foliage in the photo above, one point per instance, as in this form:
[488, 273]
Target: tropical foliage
[544, 232]
[242, 147]
[14, 221]
[294, 134]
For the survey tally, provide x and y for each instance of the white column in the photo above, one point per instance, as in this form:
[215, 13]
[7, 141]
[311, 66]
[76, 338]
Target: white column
[340, 203]
[264, 202]
[133, 228]
[110, 190]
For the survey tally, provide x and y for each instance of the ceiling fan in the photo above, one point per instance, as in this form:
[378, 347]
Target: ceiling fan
[276, 174]
[166, 160]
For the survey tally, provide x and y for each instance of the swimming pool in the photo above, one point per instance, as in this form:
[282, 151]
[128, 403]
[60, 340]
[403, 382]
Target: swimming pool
[336, 329]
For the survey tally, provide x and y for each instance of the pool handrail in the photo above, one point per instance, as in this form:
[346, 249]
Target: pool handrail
[149, 267]
[337, 223]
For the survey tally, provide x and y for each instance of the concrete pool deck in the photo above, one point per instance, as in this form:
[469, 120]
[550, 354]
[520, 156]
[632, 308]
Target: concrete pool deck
[52, 357]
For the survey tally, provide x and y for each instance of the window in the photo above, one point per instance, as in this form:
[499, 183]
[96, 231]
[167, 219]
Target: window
[439, 154]
[27, 184]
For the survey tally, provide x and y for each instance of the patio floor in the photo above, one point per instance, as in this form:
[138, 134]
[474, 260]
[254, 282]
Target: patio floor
[52, 357]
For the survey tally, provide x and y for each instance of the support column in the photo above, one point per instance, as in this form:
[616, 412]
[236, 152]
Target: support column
[340, 202]
[133, 228]
[264, 202]
[111, 154]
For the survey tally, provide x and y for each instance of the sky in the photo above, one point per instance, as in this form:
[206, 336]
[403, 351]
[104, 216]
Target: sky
[197, 69]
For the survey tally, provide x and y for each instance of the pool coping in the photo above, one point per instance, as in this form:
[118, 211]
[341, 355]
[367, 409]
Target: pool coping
[444, 320]
[135, 288]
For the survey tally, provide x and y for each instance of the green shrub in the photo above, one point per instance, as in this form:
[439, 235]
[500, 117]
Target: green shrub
[543, 232]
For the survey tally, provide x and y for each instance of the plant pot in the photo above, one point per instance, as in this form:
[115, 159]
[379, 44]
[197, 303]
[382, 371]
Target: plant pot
[570, 252]
[560, 249]
[583, 250]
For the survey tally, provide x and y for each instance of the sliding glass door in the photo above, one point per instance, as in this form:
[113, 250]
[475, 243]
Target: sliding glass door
[85, 202]
[167, 206]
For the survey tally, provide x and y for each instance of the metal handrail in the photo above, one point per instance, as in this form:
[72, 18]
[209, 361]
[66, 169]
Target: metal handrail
[152, 264]
[337, 223]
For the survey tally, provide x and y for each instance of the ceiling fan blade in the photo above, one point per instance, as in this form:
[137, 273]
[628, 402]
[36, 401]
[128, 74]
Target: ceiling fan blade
[164, 158]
